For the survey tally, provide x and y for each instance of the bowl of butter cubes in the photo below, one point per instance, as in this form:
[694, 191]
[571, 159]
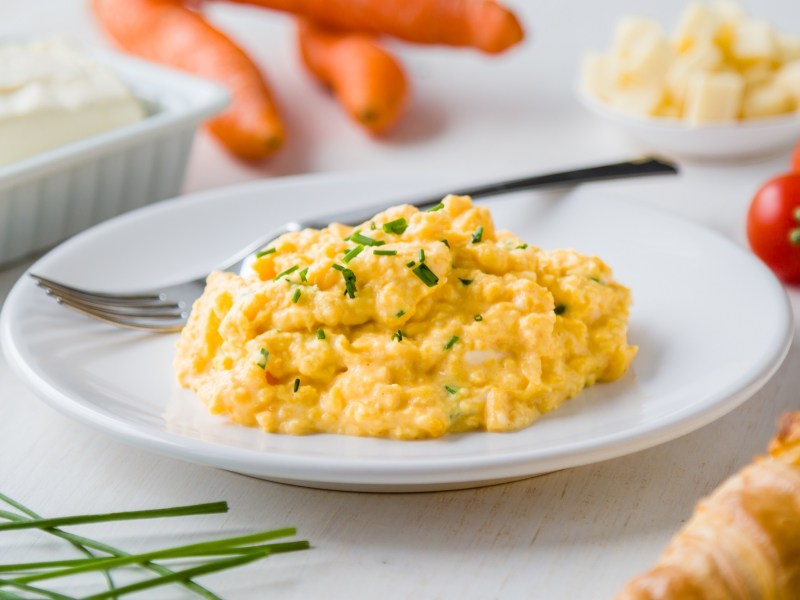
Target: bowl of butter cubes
[723, 85]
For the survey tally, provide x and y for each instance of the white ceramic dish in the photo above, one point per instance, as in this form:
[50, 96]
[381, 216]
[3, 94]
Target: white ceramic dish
[712, 323]
[744, 140]
[50, 196]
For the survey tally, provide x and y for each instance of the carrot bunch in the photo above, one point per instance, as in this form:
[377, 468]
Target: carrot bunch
[338, 43]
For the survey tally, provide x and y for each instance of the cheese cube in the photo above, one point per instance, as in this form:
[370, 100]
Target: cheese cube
[766, 100]
[730, 12]
[701, 58]
[788, 78]
[630, 31]
[642, 101]
[713, 98]
[598, 75]
[788, 47]
[754, 41]
[699, 23]
[641, 54]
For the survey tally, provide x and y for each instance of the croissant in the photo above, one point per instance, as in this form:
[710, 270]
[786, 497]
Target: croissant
[743, 541]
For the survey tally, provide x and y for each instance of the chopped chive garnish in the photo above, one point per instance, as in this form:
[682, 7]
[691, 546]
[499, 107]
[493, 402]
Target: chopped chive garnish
[399, 313]
[372, 225]
[262, 362]
[352, 253]
[439, 206]
[478, 235]
[320, 334]
[451, 390]
[349, 282]
[466, 281]
[296, 385]
[478, 317]
[265, 252]
[427, 276]
[303, 274]
[560, 309]
[359, 238]
[451, 342]
[521, 247]
[421, 255]
[397, 226]
[338, 267]
[296, 295]
[410, 264]
[384, 252]
[398, 335]
[597, 279]
[446, 243]
[288, 271]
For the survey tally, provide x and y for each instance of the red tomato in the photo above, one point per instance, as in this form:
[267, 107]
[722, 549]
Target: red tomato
[773, 226]
[796, 159]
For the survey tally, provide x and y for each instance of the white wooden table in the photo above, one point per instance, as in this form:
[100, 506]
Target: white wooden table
[574, 534]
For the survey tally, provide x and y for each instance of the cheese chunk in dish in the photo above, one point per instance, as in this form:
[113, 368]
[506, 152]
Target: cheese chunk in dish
[413, 325]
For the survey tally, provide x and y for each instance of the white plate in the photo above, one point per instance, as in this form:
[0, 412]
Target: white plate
[754, 138]
[712, 323]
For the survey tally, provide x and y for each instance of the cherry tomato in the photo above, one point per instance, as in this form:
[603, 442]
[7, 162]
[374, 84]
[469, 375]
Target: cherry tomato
[796, 159]
[773, 225]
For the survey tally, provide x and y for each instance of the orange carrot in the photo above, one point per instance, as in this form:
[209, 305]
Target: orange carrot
[484, 24]
[367, 80]
[165, 31]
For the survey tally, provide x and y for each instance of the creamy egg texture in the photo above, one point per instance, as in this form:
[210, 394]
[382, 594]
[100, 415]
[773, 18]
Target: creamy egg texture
[413, 325]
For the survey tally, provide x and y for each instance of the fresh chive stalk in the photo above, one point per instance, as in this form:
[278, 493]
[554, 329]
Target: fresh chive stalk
[560, 309]
[478, 317]
[397, 227]
[296, 385]
[521, 247]
[421, 255]
[320, 334]
[262, 362]
[451, 342]
[399, 313]
[398, 335]
[360, 238]
[435, 208]
[466, 281]
[302, 274]
[296, 296]
[451, 390]
[288, 271]
[352, 253]
[265, 252]
[478, 235]
[384, 252]
[427, 276]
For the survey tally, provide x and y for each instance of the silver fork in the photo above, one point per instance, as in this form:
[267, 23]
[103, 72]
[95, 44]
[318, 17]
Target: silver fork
[167, 309]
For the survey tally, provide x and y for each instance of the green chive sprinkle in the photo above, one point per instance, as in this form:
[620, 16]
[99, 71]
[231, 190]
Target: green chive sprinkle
[338, 267]
[410, 264]
[421, 255]
[399, 313]
[286, 272]
[597, 279]
[446, 243]
[352, 253]
[397, 226]
[478, 235]
[451, 342]
[521, 247]
[451, 390]
[296, 385]
[359, 238]
[478, 317]
[560, 309]
[265, 252]
[372, 225]
[349, 283]
[439, 206]
[466, 281]
[398, 335]
[320, 334]
[303, 274]
[296, 296]
[384, 252]
[262, 362]
[427, 276]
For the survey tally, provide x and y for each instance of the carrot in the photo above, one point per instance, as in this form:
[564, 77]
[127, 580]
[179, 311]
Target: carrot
[484, 24]
[164, 31]
[367, 80]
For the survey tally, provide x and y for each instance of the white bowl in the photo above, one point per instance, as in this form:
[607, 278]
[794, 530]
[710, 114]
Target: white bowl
[52, 195]
[750, 139]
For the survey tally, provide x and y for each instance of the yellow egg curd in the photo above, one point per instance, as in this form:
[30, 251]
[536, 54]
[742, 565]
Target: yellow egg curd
[412, 325]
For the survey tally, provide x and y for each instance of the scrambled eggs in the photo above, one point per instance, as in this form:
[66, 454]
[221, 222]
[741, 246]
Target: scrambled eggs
[413, 325]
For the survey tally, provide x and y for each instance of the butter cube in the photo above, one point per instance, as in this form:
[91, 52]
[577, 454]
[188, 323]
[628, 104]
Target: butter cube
[713, 98]
[598, 75]
[754, 41]
[642, 53]
[788, 47]
[630, 31]
[765, 100]
[642, 101]
[699, 23]
[703, 57]
[729, 11]
[788, 78]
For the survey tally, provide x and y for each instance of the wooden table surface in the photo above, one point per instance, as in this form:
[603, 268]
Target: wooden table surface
[576, 534]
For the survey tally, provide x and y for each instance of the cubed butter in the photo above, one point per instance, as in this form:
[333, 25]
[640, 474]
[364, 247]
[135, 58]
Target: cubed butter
[766, 100]
[754, 41]
[643, 101]
[713, 98]
[598, 75]
[789, 79]
[703, 57]
[698, 24]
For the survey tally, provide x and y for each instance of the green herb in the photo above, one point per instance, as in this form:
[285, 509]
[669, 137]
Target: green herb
[597, 279]
[451, 342]
[446, 243]
[399, 313]
[384, 252]
[398, 335]
[560, 309]
[438, 207]
[421, 255]
[265, 252]
[478, 317]
[262, 362]
[451, 390]
[288, 271]
[338, 267]
[352, 253]
[521, 247]
[466, 281]
[320, 334]
[296, 385]
[349, 282]
[372, 225]
[303, 274]
[296, 295]
[478, 235]
[398, 226]
[427, 276]
[410, 264]
[359, 238]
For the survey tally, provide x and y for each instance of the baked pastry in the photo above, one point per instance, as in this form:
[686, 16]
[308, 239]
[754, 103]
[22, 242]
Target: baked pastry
[743, 541]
